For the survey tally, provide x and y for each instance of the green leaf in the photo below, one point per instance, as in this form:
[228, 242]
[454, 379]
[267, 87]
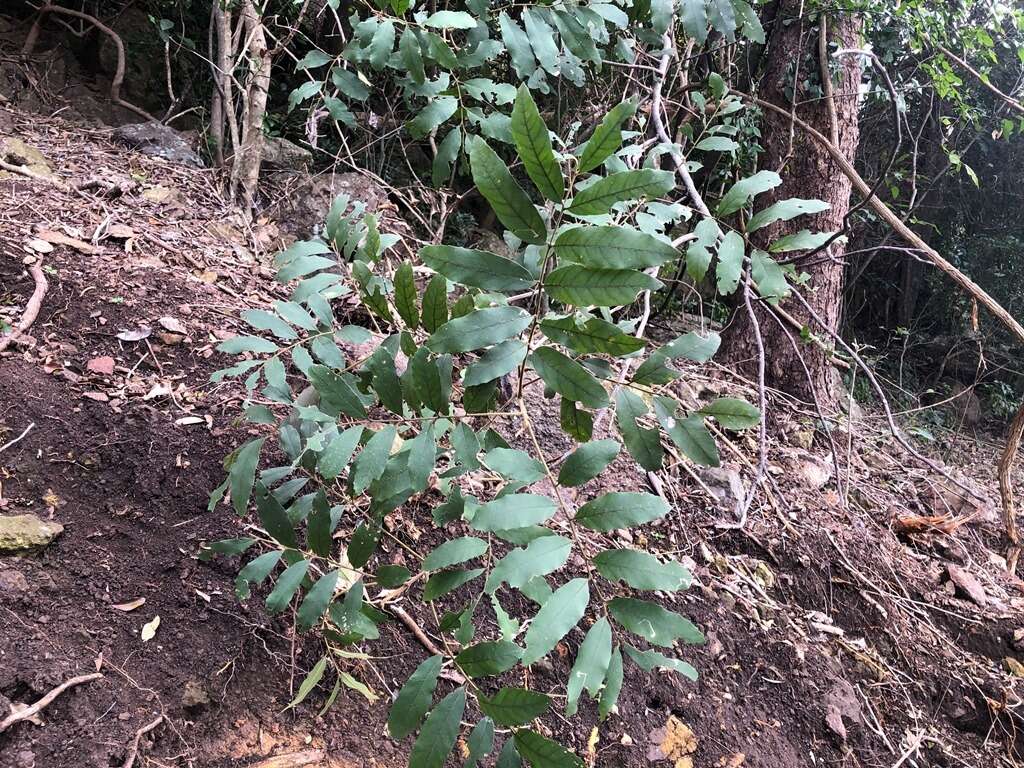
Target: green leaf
[431, 116]
[576, 422]
[309, 682]
[745, 190]
[509, 758]
[518, 46]
[274, 518]
[652, 622]
[295, 314]
[240, 344]
[363, 543]
[542, 40]
[381, 45]
[514, 706]
[316, 601]
[544, 753]
[242, 473]
[435, 304]
[516, 510]
[591, 664]
[480, 742]
[732, 413]
[582, 286]
[392, 576]
[447, 152]
[480, 328]
[479, 269]
[485, 659]
[287, 584]
[413, 700]
[319, 529]
[496, 362]
[606, 137]
[717, 144]
[643, 443]
[443, 582]
[750, 23]
[372, 459]
[691, 345]
[784, 210]
[585, 333]
[803, 240]
[541, 556]
[312, 60]
[568, 378]
[450, 20]
[517, 466]
[412, 57]
[255, 571]
[533, 143]
[612, 685]
[559, 614]
[453, 552]
[510, 203]
[336, 455]
[613, 248]
[621, 509]
[641, 570]
[337, 392]
[439, 732]
[432, 379]
[405, 295]
[599, 197]
[730, 262]
[587, 462]
[648, 660]
[690, 435]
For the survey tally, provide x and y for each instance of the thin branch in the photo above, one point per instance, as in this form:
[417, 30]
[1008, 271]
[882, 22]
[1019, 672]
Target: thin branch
[133, 750]
[983, 79]
[31, 711]
[20, 437]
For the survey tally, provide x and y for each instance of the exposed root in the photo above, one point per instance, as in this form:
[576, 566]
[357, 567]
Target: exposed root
[31, 711]
[133, 749]
[31, 308]
[1006, 489]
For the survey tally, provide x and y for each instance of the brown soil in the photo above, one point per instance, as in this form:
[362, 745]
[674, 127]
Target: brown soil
[817, 614]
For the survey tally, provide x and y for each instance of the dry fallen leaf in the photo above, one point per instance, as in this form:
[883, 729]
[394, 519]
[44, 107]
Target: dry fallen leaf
[675, 741]
[131, 605]
[142, 332]
[149, 629]
[39, 245]
[59, 238]
[99, 397]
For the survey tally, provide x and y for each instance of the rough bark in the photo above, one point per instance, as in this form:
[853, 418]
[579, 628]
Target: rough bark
[807, 171]
[245, 169]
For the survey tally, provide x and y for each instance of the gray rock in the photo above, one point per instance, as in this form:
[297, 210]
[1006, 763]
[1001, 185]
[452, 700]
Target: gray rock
[21, 533]
[12, 582]
[285, 155]
[725, 485]
[967, 585]
[303, 200]
[158, 140]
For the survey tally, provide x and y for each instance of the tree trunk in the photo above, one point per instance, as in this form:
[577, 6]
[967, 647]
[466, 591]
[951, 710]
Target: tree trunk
[245, 169]
[793, 63]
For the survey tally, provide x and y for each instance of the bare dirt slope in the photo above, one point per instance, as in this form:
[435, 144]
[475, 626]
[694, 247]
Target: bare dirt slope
[836, 637]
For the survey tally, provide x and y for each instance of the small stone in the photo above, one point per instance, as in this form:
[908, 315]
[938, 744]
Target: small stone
[725, 485]
[1017, 641]
[967, 584]
[194, 695]
[12, 581]
[99, 397]
[1014, 667]
[20, 533]
[103, 365]
[40, 246]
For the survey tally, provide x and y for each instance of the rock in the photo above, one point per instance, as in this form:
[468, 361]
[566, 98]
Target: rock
[675, 741]
[12, 582]
[285, 155]
[813, 471]
[194, 695]
[725, 485]
[303, 200]
[158, 140]
[967, 585]
[966, 406]
[1017, 640]
[14, 151]
[841, 703]
[103, 365]
[1014, 667]
[20, 533]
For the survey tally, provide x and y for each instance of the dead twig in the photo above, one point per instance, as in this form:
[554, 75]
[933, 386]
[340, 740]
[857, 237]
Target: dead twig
[133, 749]
[32, 308]
[28, 429]
[31, 711]
[425, 641]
